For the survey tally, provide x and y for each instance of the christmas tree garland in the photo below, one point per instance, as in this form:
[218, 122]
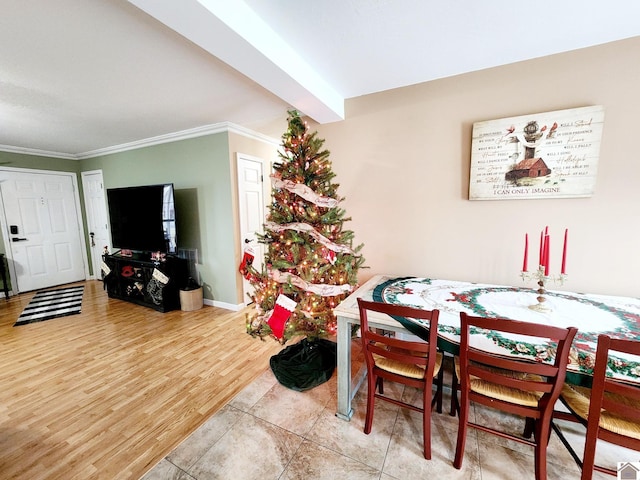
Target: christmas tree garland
[321, 289]
[304, 227]
[303, 191]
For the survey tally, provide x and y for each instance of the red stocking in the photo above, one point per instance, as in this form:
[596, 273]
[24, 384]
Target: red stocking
[247, 259]
[281, 312]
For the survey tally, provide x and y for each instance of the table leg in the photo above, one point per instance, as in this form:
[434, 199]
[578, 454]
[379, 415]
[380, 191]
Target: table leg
[344, 369]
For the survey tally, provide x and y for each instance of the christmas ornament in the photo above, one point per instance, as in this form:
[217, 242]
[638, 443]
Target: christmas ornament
[331, 256]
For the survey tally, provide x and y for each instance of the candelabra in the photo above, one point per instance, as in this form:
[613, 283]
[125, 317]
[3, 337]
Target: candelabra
[541, 278]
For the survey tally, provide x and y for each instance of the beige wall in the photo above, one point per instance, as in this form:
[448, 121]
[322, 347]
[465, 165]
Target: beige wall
[402, 159]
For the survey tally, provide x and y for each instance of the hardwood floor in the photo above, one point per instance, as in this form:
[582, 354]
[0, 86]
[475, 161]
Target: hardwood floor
[108, 393]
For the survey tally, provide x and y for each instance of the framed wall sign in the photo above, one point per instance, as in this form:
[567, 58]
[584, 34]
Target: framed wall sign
[542, 155]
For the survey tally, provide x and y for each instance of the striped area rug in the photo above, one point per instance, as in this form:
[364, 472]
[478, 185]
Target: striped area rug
[49, 304]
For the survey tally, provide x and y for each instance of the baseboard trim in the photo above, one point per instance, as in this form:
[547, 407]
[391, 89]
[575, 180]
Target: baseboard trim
[225, 305]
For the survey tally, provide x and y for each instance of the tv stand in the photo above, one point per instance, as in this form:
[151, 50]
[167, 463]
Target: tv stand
[138, 279]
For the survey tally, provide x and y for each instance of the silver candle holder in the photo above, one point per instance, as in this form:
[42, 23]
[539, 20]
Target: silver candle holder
[541, 280]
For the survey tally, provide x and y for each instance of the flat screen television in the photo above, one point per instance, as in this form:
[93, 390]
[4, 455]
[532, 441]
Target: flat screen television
[143, 218]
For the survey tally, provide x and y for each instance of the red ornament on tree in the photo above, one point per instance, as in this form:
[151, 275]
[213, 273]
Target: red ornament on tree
[331, 256]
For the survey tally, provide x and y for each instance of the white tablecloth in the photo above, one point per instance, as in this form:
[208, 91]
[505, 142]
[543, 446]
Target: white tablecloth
[618, 317]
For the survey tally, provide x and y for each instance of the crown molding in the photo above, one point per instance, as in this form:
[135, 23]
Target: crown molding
[148, 142]
[181, 135]
[246, 132]
[39, 153]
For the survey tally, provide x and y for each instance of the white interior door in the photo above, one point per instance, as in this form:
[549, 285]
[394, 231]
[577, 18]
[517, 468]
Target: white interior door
[251, 201]
[45, 246]
[97, 220]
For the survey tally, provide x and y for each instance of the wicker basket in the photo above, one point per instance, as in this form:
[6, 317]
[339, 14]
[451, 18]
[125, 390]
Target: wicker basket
[191, 300]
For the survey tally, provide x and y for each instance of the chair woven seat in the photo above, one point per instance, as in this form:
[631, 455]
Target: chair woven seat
[502, 392]
[577, 399]
[412, 371]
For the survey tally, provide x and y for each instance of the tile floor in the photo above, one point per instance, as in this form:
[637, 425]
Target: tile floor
[271, 432]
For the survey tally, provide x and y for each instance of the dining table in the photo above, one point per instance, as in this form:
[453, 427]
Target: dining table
[591, 314]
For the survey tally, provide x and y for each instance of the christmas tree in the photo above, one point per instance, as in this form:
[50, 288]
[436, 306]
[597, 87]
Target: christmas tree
[310, 263]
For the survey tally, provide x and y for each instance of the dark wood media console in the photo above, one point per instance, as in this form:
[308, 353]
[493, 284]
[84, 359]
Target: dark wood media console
[140, 280]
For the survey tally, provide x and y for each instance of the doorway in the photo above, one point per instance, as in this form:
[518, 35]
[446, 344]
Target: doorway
[251, 206]
[42, 228]
[97, 219]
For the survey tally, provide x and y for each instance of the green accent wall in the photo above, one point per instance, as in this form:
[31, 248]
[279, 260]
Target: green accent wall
[202, 170]
[199, 169]
[20, 160]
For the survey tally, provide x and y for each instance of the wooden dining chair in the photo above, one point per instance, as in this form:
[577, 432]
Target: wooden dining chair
[613, 413]
[412, 363]
[512, 384]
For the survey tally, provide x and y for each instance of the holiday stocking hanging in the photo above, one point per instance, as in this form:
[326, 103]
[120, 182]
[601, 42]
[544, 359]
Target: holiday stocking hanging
[247, 259]
[281, 313]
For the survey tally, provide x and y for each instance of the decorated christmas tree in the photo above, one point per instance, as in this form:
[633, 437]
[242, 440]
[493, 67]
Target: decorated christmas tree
[310, 262]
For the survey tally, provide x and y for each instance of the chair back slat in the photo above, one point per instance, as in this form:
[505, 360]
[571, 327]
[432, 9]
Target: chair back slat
[517, 327]
[405, 356]
[404, 351]
[393, 310]
[615, 397]
[521, 364]
[628, 412]
[421, 347]
[619, 388]
[545, 378]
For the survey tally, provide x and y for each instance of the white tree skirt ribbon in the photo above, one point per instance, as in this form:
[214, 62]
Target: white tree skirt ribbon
[306, 228]
[316, 288]
[304, 191]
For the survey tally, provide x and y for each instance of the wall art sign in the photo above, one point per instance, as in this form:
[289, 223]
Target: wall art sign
[542, 155]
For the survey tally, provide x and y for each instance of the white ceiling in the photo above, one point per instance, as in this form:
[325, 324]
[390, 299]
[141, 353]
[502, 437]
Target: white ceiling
[82, 77]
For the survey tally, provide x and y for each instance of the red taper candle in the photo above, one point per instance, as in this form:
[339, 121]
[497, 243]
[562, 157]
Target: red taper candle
[564, 252]
[540, 255]
[525, 261]
[547, 242]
